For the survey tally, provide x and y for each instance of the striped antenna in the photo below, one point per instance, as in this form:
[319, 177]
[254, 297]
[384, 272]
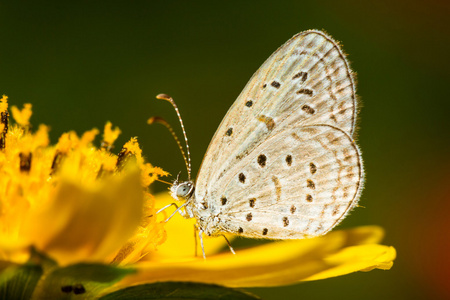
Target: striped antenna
[187, 159]
[163, 181]
[160, 120]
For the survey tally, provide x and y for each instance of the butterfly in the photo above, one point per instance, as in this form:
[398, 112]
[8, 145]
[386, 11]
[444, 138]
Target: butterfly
[283, 163]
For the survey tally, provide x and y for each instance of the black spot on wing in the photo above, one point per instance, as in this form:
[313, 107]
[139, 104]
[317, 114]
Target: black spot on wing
[302, 75]
[223, 200]
[262, 160]
[310, 184]
[308, 109]
[275, 84]
[241, 178]
[289, 160]
[305, 92]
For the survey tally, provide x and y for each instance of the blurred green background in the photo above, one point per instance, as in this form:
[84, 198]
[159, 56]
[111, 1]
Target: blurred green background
[83, 63]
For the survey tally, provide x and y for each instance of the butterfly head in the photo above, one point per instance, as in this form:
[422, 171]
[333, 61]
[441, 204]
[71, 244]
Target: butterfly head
[182, 190]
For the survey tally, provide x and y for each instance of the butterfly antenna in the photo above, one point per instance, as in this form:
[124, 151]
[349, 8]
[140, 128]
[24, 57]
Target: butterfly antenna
[163, 181]
[160, 120]
[188, 159]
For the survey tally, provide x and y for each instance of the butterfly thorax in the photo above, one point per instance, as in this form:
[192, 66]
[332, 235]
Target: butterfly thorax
[207, 220]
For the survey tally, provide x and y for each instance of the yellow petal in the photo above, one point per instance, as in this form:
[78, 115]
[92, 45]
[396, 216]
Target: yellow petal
[278, 263]
[358, 258]
[87, 223]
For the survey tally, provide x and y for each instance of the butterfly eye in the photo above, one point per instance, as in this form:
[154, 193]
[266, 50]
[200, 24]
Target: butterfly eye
[184, 189]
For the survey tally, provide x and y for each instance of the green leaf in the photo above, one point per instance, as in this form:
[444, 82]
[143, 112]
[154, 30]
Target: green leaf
[80, 281]
[179, 290]
[18, 281]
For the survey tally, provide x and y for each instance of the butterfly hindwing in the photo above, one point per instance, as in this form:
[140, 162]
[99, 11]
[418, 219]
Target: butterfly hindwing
[302, 187]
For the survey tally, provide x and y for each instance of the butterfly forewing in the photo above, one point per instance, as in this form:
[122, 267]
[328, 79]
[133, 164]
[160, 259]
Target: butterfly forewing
[306, 83]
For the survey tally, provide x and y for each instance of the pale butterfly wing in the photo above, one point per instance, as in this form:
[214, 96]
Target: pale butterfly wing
[305, 85]
[297, 183]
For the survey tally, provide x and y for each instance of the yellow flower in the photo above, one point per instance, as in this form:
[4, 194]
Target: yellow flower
[72, 201]
[78, 219]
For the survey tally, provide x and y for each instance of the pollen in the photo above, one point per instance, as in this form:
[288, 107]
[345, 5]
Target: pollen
[22, 117]
[89, 136]
[4, 103]
[110, 136]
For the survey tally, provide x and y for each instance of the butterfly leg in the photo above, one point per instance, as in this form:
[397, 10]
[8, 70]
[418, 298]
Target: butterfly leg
[195, 240]
[198, 233]
[177, 210]
[229, 244]
[200, 236]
